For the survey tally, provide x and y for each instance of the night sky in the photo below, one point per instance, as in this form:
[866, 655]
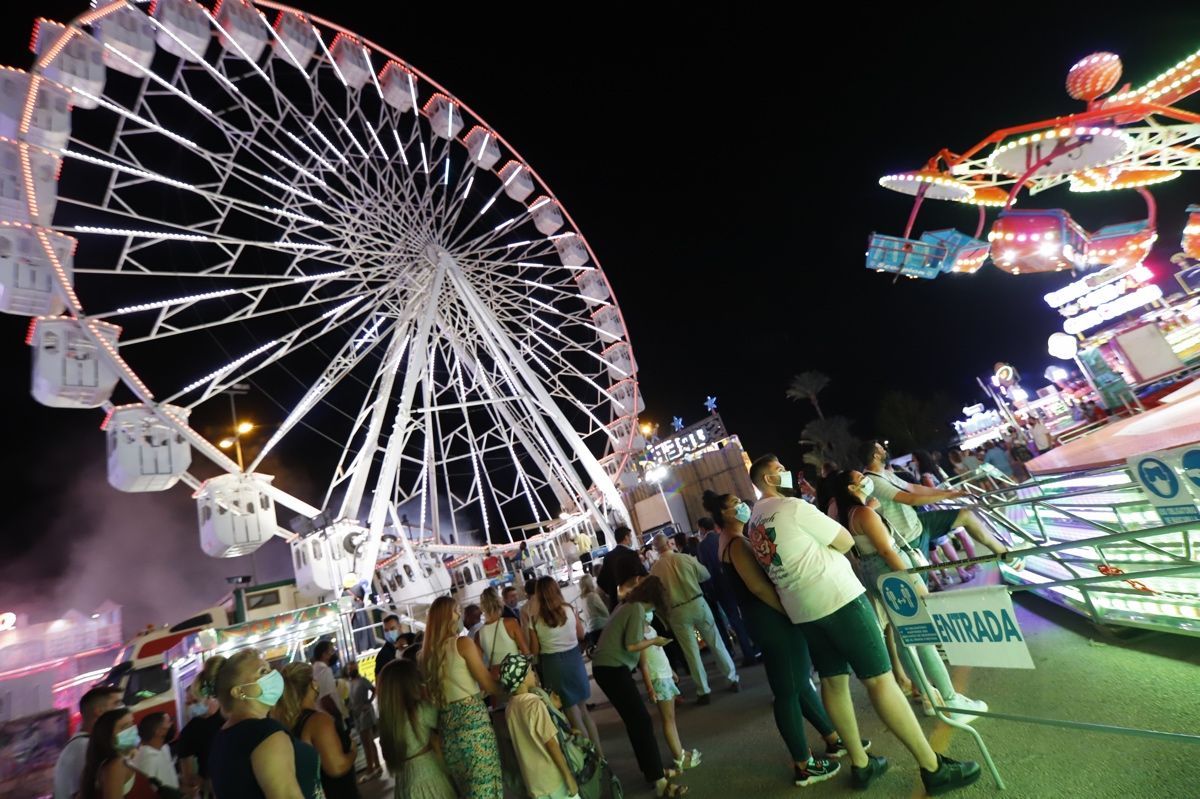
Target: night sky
[724, 171]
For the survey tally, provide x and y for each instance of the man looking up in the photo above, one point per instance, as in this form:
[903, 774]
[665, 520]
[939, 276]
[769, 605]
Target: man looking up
[68, 770]
[803, 552]
[898, 499]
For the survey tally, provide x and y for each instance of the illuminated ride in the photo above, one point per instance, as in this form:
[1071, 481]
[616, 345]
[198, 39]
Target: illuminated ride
[202, 201]
[1124, 141]
[1095, 506]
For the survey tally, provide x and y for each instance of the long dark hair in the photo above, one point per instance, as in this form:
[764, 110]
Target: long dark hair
[650, 591]
[399, 684]
[839, 485]
[101, 750]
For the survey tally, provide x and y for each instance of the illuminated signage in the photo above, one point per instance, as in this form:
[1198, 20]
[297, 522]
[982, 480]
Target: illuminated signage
[7, 621]
[690, 439]
[1081, 289]
[1110, 310]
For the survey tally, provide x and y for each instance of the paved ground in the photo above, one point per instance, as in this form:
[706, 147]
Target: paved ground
[1151, 682]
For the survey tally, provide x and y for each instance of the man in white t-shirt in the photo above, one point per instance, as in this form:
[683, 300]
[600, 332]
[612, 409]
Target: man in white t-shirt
[153, 757]
[898, 500]
[803, 552]
[68, 770]
[329, 698]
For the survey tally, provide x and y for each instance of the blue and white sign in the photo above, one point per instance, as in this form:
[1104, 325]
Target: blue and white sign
[907, 612]
[1171, 481]
[977, 627]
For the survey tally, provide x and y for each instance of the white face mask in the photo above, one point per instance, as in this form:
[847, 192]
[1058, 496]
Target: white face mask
[785, 480]
[866, 487]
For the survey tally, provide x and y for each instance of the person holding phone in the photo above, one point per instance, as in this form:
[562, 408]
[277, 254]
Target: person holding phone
[617, 653]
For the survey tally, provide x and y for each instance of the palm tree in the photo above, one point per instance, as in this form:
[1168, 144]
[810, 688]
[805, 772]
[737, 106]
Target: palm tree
[832, 441]
[806, 386]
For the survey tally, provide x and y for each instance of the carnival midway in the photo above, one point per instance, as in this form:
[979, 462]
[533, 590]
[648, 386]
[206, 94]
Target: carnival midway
[350, 239]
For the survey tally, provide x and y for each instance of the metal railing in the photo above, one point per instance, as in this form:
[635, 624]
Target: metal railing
[1045, 502]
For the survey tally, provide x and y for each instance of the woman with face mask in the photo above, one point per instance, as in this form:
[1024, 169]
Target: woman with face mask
[202, 721]
[253, 756]
[617, 653]
[880, 552]
[785, 650]
[107, 773]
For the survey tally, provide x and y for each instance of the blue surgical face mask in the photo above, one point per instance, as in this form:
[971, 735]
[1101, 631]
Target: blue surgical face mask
[391, 636]
[741, 512]
[649, 616]
[128, 738]
[197, 710]
[271, 685]
[785, 480]
[866, 487]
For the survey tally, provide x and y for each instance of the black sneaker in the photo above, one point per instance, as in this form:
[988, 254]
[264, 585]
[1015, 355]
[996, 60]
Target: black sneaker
[817, 770]
[735, 686]
[951, 774]
[704, 699]
[838, 749]
[861, 778]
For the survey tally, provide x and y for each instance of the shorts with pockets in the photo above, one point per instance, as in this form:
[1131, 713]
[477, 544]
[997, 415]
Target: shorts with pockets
[849, 638]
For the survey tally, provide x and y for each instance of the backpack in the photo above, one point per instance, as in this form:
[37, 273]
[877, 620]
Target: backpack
[591, 772]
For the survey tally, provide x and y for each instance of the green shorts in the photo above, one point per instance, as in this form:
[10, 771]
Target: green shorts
[934, 525]
[848, 638]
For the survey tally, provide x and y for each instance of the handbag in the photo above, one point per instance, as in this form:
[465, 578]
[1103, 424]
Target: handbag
[579, 751]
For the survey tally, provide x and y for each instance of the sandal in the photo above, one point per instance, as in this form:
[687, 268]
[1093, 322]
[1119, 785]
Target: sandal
[670, 790]
[688, 760]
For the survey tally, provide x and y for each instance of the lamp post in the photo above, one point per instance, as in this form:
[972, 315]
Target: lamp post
[239, 428]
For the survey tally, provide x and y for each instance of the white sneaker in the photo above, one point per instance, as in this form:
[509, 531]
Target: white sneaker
[963, 702]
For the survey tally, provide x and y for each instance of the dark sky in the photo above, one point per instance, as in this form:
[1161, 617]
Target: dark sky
[724, 171]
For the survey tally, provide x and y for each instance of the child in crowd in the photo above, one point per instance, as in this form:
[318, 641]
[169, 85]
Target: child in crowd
[408, 734]
[661, 686]
[362, 709]
[534, 734]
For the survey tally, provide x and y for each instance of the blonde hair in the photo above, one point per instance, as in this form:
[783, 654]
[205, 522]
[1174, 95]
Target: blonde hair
[587, 585]
[489, 602]
[439, 631]
[297, 682]
[231, 673]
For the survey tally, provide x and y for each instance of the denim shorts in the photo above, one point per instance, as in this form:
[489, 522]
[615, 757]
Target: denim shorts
[849, 638]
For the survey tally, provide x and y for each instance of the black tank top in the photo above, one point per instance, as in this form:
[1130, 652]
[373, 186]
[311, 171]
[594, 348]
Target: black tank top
[745, 597]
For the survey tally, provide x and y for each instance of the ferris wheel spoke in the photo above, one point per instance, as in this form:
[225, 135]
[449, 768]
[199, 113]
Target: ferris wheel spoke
[352, 353]
[170, 307]
[274, 350]
[251, 312]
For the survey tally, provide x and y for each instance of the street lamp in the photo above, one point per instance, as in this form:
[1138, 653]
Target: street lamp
[239, 428]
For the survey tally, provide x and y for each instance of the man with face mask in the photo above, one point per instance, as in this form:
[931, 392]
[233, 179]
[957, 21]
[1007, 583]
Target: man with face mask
[803, 553]
[898, 500]
[391, 634]
[325, 657]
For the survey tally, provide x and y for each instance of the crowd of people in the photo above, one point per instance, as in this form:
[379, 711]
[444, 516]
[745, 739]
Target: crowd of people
[495, 697]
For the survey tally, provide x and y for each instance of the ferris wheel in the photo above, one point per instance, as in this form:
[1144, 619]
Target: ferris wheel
[197, 199]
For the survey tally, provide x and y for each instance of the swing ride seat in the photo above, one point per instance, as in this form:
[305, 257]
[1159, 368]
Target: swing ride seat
[911, 257]
[964, 254]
